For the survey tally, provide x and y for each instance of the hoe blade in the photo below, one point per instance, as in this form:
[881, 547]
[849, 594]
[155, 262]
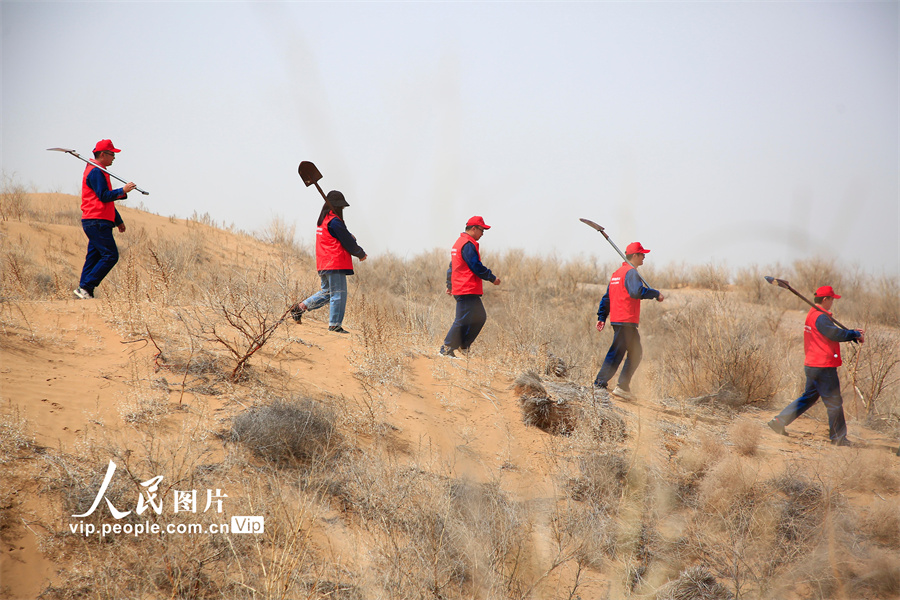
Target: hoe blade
[309, 173]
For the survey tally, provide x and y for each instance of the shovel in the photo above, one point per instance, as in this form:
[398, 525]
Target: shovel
[310, 175]
[600, 229]
[113, 175]
[784, 284]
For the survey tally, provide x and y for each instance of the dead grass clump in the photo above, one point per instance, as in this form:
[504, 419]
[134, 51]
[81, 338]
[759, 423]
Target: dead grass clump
[602, 479]
[882, 523]
[875, 470]
[145, 406]
[801, 513]
[15, 439]
[539, 409]
[745, 437]
[301, 432]
[694, 583]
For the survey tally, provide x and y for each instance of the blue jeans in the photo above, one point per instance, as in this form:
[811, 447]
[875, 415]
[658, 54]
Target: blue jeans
[102, 253]
[626, 340]
[334, 291]
[470, 318]
[820, 382]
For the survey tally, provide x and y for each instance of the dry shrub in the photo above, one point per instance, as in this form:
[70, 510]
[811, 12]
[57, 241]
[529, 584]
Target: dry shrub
[732, 532]
[810, 274]
[745, 437]
[801, 506]
[298, 432]
[449, 537]
[694, 583]
[378, 354]
[882, 523]
[14, 201]
[78, 479]
[709, 277]
[875, 370]
[714, 344]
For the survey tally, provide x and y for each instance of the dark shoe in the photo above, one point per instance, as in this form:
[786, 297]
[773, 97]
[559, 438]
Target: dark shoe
[297, 313]
[447, 351]
[337, 329]
[841, 442]
[776, 426]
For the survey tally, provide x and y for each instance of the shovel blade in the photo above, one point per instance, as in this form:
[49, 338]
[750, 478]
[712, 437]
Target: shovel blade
[61, 149]
[591, 224]
[308, 173]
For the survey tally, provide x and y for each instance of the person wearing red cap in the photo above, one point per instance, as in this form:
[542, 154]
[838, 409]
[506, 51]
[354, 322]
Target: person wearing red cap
[98, 218]
[822, 348]
[464, 282]
[622, 304]
[335, 249]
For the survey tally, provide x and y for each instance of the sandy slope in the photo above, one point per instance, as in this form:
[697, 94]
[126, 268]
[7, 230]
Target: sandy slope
[69, 373]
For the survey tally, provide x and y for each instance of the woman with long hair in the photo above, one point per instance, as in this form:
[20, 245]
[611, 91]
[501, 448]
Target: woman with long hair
[335, 249]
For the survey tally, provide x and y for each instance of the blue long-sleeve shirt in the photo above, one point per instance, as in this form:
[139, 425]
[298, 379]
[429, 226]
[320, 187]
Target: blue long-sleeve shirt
[635, 287]
[339, 231]
[834, 333]
[96, 180]
[470, 256]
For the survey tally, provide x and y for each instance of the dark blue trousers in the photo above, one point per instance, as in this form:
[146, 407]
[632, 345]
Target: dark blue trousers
[821, 382]
[626, 344]
[470, 318]
[102, 253]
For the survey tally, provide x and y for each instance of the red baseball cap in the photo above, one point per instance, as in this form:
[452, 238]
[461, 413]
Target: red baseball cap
[477, 221]
[105, 145]
[826, 291]
[635, 248]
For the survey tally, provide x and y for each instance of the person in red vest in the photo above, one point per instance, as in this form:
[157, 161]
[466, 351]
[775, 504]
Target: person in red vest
[822, 345]
[464, 282]
[98, 218]
[622, 304]
[335, 249]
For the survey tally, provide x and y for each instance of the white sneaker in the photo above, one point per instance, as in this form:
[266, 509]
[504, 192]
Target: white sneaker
[623, 394]
[82, 293]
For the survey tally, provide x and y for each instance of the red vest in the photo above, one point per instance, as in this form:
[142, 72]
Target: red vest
[623, 308]
[820, 351]
[91, 206]
[462, 280]
[330, 255]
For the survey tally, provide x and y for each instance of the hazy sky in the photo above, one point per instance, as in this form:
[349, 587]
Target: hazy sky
[740, 132]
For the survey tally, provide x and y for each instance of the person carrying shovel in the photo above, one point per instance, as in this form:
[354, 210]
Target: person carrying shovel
[622, 305]
[335, 249]
[822, 346]
[99, 217]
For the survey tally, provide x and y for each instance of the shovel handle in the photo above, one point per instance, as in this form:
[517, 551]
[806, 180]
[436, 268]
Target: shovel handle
[599, 228]
[110, 173]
